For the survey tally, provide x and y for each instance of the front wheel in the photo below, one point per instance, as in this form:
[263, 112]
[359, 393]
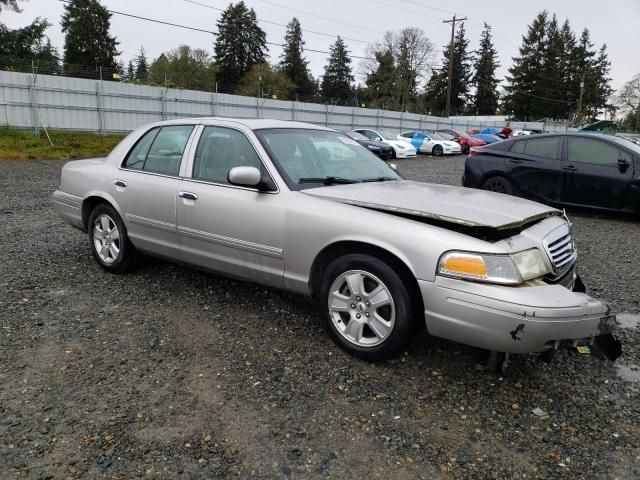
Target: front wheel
[498, 184]
[367, 307]
[109, 242]
[437, 150]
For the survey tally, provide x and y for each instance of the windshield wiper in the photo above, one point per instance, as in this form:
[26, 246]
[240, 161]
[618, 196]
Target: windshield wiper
[326, 180]
[379, 179]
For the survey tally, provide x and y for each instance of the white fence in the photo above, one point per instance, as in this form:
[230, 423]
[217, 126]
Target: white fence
[34, 101]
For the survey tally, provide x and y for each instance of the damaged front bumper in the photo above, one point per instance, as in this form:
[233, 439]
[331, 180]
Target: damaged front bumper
[523, 319]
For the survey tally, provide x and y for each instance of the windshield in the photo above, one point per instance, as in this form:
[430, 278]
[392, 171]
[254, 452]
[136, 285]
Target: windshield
[386, 135]
[441, 136]
[356, 136]
[313, 158]
[625, 142]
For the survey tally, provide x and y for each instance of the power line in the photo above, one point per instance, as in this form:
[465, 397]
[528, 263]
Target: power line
[280, 24]
[395, 7]
[320, 16]
[211, 32]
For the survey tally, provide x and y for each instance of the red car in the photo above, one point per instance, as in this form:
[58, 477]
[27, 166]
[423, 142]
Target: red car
[465, 141]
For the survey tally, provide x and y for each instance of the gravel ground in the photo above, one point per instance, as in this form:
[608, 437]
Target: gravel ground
[170, 372]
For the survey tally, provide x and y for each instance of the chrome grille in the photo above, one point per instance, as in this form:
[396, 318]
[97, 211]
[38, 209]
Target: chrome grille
[560, 249]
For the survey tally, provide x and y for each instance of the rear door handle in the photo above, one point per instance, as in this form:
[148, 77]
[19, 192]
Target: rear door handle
[513, 160]
[120, 183]
[188, 195]
[570, 168]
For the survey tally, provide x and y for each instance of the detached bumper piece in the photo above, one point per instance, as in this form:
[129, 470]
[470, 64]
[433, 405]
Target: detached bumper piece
[605, 347]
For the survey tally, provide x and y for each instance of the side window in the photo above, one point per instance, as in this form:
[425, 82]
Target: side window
[166, 150]
[408, 135]
[138, 154]
[219, 150]
[370, 135]
[586, 150]
[517, 147]
[543, 147]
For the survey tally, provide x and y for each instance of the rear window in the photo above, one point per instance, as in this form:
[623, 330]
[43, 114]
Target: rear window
[543, 147]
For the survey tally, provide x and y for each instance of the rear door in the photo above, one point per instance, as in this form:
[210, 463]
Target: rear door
[598, 173]
[146, 185]
[534, 166]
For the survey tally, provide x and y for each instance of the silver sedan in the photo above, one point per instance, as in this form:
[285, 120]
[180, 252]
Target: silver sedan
[306, 209]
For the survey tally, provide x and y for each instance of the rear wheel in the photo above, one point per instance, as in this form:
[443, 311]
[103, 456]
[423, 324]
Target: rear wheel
[109, 242]
[437, 150]
[465, 148]
[367, 307]
[498, 184]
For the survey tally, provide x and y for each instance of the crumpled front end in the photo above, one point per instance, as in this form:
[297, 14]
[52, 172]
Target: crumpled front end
[524, 319]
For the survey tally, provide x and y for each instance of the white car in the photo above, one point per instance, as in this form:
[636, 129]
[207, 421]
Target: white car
[519, 133]
[401, 147]
[431, 143]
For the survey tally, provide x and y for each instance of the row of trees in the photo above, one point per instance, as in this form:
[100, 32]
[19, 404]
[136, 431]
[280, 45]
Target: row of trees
[555, 75]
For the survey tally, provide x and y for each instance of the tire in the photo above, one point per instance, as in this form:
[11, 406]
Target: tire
[465, 148]
[498, 184]
[109, 242]
[393, 154]
[437, 150]
[351, 317]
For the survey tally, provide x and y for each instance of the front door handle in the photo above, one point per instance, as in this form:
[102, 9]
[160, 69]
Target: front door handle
[513, 160]
[120, 183]
[570, 168]
[188, 195]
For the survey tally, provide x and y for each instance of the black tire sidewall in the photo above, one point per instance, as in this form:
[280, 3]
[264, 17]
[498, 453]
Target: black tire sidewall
[437, 150]
[406, 312]
[506, 182]
[126, 258]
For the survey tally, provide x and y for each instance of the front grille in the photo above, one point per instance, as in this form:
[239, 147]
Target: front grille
[561, 249]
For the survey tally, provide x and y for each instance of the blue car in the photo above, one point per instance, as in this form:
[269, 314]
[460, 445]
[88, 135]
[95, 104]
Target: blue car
[486, 137]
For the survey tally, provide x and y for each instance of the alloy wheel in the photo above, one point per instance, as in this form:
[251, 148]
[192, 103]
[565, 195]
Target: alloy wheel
[106, 238]
[361, 308]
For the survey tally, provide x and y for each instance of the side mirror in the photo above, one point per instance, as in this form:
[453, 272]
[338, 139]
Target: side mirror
[244, 176]
[623, 162]
[394, 166]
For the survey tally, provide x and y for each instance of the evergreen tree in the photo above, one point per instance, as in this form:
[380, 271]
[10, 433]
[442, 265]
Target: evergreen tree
[485, 100]
[337, 82]
[87, 42]
[240, 44]
[142, 67]
[436, 90]
[293, 63]
[10, 4]
[524, 92]
[551, 75]
[569, 83]
[381, 83]
[130, 74]
[27, 48]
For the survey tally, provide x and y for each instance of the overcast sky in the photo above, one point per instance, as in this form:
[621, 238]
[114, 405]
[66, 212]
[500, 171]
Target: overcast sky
[614, 22]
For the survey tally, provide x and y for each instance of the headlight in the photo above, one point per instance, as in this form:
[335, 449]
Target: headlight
[373, 147]
[400, 146]
[492, 268]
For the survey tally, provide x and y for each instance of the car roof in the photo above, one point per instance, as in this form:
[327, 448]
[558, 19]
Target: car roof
[251, 123]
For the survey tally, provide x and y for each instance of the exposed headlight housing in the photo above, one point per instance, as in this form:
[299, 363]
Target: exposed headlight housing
[493, 268]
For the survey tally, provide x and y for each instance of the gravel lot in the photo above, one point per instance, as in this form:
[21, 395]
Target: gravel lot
[174, 373]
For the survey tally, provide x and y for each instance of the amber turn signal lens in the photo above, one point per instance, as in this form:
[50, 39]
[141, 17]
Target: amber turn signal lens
[467, 265]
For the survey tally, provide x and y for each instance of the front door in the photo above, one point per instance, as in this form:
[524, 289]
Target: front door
[598, 174]
[146, 186]
[226, 228]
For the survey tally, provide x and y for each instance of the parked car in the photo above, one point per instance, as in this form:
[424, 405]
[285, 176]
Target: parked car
[487, 137]
[590, 170]
[519, 133]
[401, 149]
[431, 143]
[306, 209]
[466, 141]
[380, 149]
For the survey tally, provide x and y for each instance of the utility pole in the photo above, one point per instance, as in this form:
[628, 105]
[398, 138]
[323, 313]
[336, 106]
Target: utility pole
[579, 113]
[453, 21]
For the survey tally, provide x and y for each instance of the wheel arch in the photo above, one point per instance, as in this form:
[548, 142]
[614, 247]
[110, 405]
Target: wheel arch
[91, 201]
[345, 247]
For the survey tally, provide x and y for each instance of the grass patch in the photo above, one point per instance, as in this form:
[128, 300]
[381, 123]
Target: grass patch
[17, 144]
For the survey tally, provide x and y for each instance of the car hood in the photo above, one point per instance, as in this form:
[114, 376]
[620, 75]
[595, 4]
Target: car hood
[373, 142]
[464, 206]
